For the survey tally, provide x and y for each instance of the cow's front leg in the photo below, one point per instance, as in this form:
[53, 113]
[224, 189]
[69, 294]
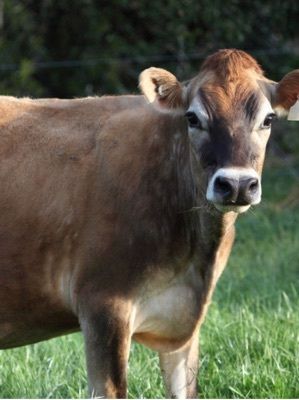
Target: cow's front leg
[107, 342]
[179, 370]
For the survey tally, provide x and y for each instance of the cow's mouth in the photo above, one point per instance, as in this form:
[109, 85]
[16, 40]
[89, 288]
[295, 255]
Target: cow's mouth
[239, 209]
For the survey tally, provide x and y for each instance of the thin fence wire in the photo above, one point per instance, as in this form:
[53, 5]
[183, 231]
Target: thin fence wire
[184, 57]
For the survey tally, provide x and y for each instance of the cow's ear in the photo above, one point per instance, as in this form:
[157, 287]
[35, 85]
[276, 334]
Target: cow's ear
[286, 94]
[162, 89]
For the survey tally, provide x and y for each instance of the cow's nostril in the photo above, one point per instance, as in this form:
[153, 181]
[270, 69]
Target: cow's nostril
[226, 189]
[223, 186]
[253, 185]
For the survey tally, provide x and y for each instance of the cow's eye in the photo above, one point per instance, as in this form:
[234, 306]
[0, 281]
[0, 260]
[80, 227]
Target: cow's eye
[268, 121]
[193, 120]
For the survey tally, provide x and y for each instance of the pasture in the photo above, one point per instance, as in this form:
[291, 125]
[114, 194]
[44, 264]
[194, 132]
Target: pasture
[249, 341]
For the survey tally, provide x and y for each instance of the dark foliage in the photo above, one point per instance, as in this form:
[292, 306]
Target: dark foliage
[72, 48]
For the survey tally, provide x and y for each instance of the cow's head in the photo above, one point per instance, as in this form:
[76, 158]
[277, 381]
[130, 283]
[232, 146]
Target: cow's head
[229, 108]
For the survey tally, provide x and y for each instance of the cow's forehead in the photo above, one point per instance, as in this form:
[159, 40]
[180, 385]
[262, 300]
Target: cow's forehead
[229, 82]
[231, 99]
[228, 98]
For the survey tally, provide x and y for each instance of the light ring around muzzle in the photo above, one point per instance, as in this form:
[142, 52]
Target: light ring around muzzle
[234, 189]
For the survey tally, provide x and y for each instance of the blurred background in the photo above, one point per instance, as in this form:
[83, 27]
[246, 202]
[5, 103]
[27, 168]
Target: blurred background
[73, 48]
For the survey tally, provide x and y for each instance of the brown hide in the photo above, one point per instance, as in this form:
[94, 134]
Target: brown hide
[93, 216]
[48, 172]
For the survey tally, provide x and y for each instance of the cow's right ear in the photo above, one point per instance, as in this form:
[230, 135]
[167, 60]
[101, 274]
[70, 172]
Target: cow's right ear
[286, 94]
[162, 89]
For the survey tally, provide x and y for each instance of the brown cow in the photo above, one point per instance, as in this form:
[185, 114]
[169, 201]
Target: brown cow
[117, 216]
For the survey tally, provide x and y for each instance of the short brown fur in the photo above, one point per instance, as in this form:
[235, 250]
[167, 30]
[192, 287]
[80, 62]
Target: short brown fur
[230, 64]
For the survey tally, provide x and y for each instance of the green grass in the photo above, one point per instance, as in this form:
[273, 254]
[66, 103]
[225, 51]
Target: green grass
[249, 341]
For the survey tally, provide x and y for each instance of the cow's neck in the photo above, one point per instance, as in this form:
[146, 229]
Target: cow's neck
[185, 222]
[214, 223]
[212, 227]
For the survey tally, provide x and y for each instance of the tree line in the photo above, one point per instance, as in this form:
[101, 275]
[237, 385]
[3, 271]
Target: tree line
[73, 48]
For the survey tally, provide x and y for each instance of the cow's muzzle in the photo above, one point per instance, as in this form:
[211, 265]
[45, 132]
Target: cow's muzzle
[234, 189]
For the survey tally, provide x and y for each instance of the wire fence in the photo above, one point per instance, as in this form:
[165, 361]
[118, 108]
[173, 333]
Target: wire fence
[180, 57]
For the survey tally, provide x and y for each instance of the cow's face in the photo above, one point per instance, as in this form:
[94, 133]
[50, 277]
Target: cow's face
[229, 108]
[229, 121]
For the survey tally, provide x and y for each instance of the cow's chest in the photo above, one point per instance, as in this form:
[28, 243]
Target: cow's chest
[167, 308]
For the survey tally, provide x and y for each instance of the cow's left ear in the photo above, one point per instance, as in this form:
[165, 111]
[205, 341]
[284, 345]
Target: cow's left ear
[286, 94]
[162, 89]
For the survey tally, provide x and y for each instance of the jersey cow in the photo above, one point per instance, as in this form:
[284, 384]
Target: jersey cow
[117, 213]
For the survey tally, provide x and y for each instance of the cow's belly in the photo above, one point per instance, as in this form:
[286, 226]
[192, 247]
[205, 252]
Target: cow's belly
[33, 302]
[166, 314]
[22, 328]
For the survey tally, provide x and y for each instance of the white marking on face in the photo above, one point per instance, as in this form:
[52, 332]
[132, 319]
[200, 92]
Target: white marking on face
[264, 110]
[198, 108]
[259, 135]
[236, 174]
[236, 209]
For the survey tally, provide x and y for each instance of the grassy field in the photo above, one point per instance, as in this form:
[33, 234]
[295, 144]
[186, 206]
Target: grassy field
[250, 339]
